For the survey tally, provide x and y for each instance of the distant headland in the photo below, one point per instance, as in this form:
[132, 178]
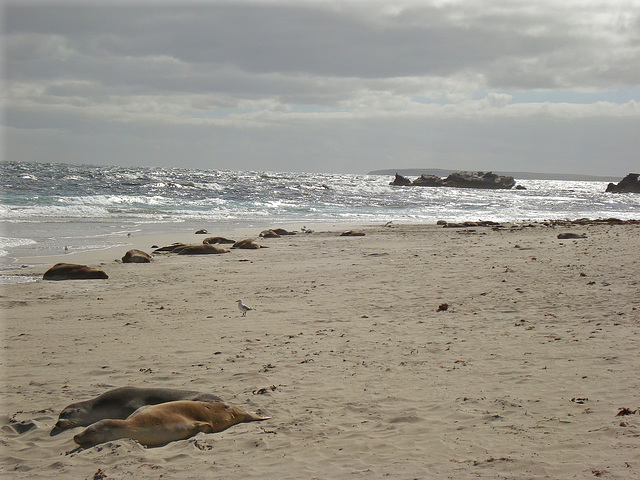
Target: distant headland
[518, 175]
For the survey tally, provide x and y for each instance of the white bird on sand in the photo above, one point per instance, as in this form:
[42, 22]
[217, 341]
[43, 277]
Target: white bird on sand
[243, 308]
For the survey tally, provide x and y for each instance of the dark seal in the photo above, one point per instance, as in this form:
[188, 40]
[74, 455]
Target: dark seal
[121, 402]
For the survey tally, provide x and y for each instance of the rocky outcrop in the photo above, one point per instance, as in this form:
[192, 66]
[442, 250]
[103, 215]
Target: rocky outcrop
[71, 271]
[136, 256]
[400, 181]
[479, 180]
[488, 180]
[629, 184]
[426, 180]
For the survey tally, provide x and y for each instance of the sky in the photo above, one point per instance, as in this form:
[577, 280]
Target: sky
[336, 86]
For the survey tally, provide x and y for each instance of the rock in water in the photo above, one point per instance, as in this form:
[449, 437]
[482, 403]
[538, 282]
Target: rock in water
[629, 184]
[426, 180]
[401, 181]
[488, 180]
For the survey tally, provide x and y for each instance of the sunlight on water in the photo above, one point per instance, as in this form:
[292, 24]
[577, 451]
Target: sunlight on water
[46, 207]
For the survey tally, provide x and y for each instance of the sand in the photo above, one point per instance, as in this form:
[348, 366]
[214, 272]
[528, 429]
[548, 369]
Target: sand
[521, 376]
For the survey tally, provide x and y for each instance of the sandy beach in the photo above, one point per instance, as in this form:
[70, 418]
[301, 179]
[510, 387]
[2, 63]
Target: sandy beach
[352, 352]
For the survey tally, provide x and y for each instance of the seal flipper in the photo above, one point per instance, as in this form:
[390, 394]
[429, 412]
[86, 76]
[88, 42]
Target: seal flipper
[252, 417]
[203, 427]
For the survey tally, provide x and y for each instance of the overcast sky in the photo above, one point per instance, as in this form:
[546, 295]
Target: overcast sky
[325, 86]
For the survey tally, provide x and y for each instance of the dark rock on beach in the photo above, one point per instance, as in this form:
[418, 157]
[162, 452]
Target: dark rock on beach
[629, 184]
[70, 271]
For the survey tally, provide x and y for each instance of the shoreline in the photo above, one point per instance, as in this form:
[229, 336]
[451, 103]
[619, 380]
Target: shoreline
[24, 266]
[352, 352]
[28, 266]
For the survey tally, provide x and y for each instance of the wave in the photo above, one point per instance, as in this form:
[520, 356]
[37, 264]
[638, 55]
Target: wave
[8, 242]
[46, 202]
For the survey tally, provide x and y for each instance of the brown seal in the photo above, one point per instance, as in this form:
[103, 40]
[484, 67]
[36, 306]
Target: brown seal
[160, 424]
[269, 234]
[136, 256]
[275, 233]
[201, 250]
[120, 403]
[214, 240]
[564, 236]
[247, 243]
[352, 233]
[282, 231]
[70, 271]
[170, 248]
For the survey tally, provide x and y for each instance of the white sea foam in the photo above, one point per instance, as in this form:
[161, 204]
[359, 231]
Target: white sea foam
[12, 279]
[7, 243]
[81, 206]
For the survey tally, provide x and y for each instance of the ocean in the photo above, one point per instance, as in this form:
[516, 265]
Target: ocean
[46, 207]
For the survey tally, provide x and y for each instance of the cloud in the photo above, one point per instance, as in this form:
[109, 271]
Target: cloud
[215, 72]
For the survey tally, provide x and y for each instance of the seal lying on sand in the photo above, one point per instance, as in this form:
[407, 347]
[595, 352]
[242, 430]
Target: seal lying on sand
[247, 243]
[204, 249]
[282, 231]
[214, 240]
[120, 403]
[275, 233]
[71, 271]
[136, 256]
[170, 248]
[160, 424]
[269, 234]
